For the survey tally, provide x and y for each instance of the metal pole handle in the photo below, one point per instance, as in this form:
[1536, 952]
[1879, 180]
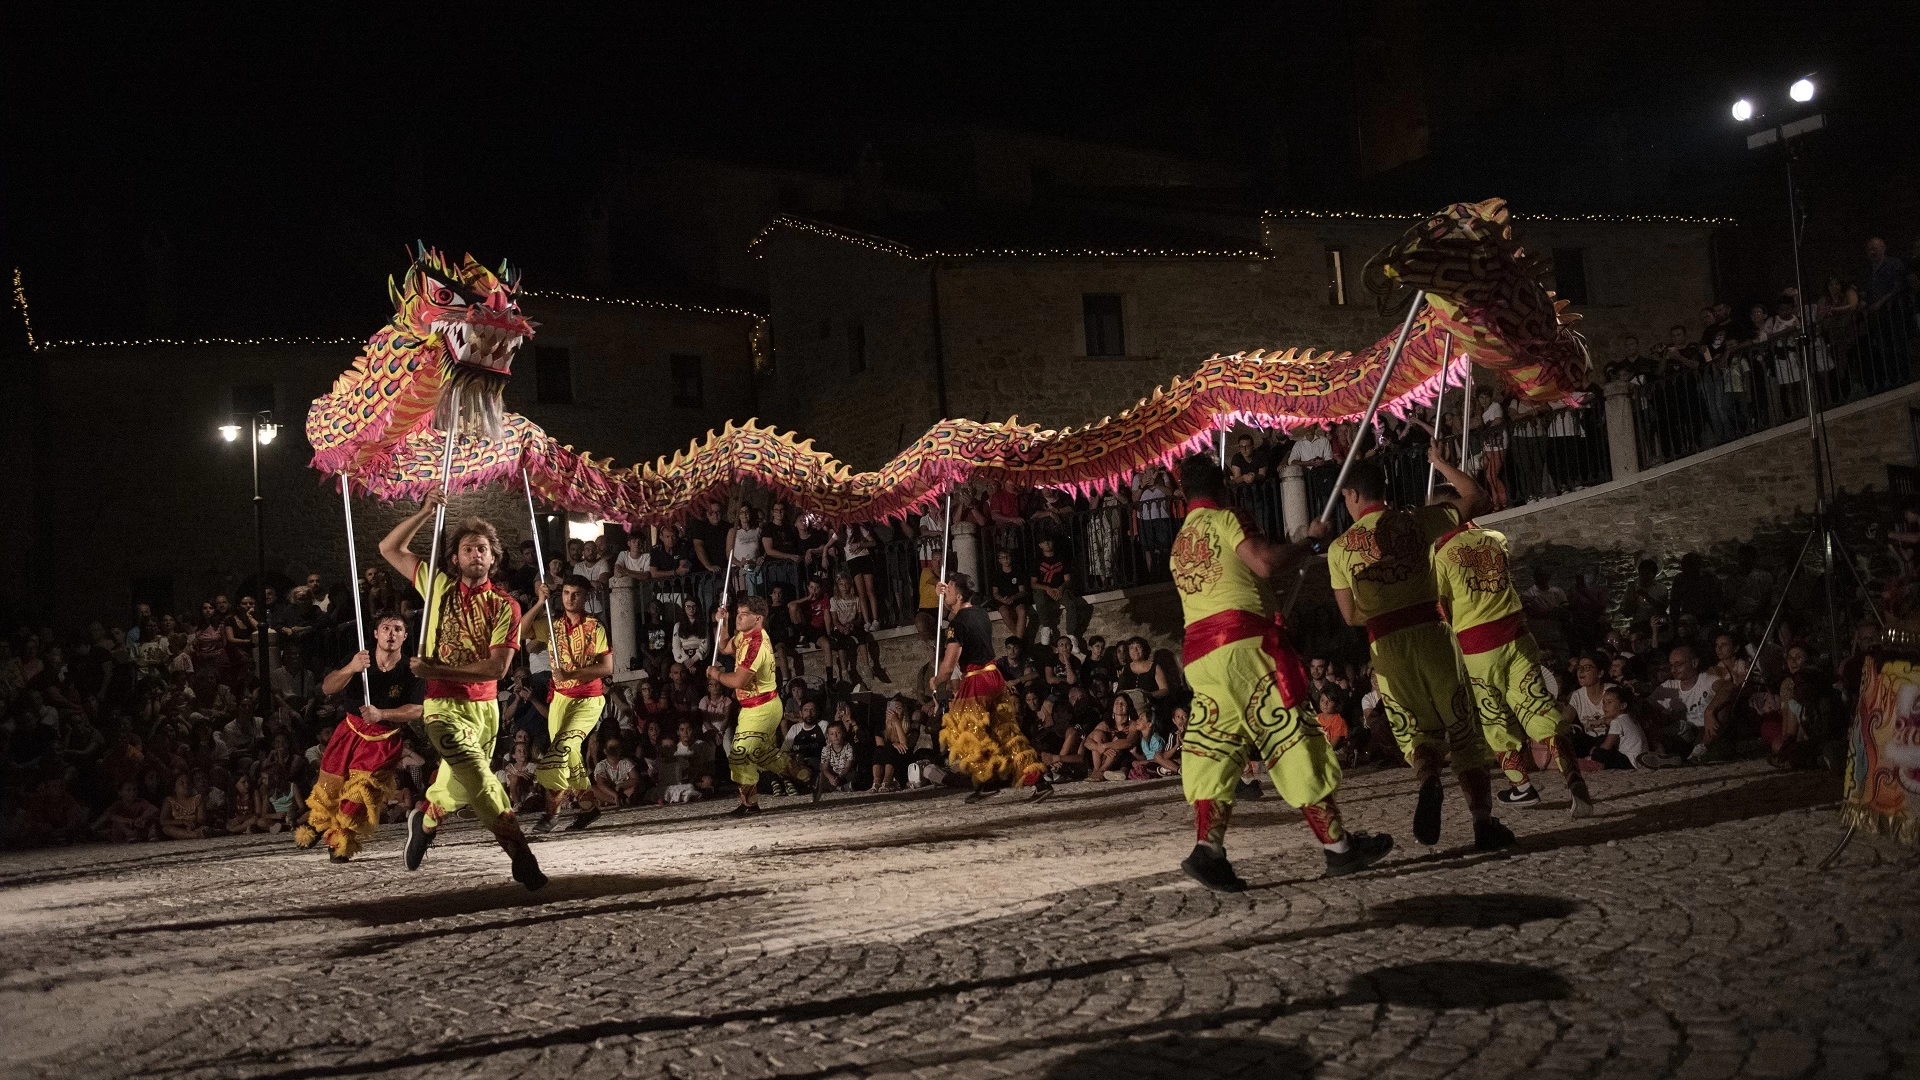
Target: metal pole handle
[540, 571]
[439, 525]
[1373, 406]
[1439, 399]
[940, 597]
[359, 614]
[726, 590]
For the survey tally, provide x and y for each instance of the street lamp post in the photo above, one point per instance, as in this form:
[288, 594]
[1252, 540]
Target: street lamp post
[260, 431]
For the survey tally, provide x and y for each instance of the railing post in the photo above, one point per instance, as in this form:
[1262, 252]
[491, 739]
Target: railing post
[623, 597]
[1295, 511]
[1623, 446]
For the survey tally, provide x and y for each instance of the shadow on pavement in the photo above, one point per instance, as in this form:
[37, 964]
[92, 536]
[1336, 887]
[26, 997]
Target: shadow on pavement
[470, 901]
[1185, 1055]
[373, 945]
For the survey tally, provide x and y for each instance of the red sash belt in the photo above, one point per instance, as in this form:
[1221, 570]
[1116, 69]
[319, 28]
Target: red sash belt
[758, 699]
[1223, 628]
[1412, 615]
[983, 680]
[1491, 635]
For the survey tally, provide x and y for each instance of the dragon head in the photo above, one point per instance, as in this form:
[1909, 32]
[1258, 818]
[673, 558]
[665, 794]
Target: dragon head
[471, 314]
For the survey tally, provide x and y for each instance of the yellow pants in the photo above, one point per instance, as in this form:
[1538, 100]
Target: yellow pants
[569, 721]
[463, 732]
[756, 745]
[1425, 694]
[1237, 713]
[1513, 703]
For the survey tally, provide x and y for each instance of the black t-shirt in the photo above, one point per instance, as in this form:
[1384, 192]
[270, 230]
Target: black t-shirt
[1246, 466]
[391, 689]
[1007, 583]
[973, 629]
[805, 546]
[713, 537]
[785, 539]
[521, 579]
[808, 742]
[1052, 572]
[669, 558]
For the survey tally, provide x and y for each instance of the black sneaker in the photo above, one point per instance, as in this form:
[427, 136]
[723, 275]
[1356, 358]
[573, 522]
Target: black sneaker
[1042, 791]
[1516, 797]
[583, 819]
[1426, 814]
[819, 784]
[743, 810]
[1213, 871]
[335, 857]
[1363, 850]
[526, 870]
[545, 824]
[419, 838]
[982, 792]
[1490, 835]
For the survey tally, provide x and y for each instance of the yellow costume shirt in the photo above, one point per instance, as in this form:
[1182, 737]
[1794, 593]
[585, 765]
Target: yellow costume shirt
[467, 624]
[752, 651]
[1210, 576]
[1470, 568]
[581, 645]
[1383, 559]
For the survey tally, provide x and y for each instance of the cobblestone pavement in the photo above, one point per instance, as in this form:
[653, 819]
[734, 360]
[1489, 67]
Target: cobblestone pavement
[1683, 932]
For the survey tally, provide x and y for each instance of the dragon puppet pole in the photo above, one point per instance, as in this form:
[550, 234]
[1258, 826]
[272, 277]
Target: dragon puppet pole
[540, 560]
[1466, 413]
[353, 568]
[1373, 406]
[940, 598]
[1223, 449]
[726, 587]
[1440, 400]
[439, 522]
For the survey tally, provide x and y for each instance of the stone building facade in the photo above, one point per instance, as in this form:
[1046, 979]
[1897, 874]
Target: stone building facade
[120, 487]
[877, 337]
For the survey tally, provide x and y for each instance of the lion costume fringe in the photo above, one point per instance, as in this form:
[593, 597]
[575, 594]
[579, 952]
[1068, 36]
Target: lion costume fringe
[981, 732]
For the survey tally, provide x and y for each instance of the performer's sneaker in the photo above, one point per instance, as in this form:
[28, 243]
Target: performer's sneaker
[545, 824]
[1490, 835]
[1516, 797]
[1213, 871]
[1582, 805]
[583, 819]
[419, 838]
[982, 792]
[337, 857]
[1363, 850]
[526, 869]
[1042, 790]
[1426, 813]
[743, 810]
[819, 784]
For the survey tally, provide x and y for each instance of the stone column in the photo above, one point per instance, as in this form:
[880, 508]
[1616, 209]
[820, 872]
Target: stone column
[1623, 447]
[1294, 511]
[622, 605]
[966, 551]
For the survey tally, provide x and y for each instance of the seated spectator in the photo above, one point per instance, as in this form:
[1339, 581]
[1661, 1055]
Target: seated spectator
[682, 696]
[1063, 668]
[1689, 701]
[692, 636]
[1585, 707]
[130, 819]
[891, 750]
[517, 774]
[1110, 746]
[1787, 733]
[1333, 723]
[806, 737]
[285, 808]
[1097, 671]
[1056, 594]
[1011, 596]
[836, 759]
[1157, 755]
[615, 780]
[1146, 673]
[1057, 739]
[696, 760]
[249, 808]
[1014, 666]
[183, 815]
[1625, 743]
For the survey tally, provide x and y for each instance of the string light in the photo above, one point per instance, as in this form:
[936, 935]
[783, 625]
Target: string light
[202, 341]
[661, 305]
[20, 301]
[889, 247]
[1574, 219]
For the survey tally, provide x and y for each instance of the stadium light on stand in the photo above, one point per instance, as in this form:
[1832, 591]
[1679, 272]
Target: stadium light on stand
[230, 432]
[1801, 91]
[1743, 110]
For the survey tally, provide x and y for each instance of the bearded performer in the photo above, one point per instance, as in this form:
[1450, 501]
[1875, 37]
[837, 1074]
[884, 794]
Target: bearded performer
[1503, 661]
[471, 635]
[576, 695]
[756, 731]
[357, 768]
[981, 731]
[1383, 580]
[1249, 691]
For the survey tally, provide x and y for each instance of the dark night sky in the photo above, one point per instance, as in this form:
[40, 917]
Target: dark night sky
[288, 159]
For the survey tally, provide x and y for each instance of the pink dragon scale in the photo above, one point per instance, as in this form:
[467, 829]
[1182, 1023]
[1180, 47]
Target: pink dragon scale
[456, 328]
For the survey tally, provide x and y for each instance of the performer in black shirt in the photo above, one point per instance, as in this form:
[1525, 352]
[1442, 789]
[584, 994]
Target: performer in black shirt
[358, 765]
[981, 732]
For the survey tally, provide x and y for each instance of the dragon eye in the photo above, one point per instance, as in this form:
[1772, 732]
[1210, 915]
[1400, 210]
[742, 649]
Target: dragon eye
[438, 293]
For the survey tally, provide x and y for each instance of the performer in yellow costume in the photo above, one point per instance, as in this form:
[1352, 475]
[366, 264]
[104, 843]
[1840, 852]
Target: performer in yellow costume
[756, 731]
[1503, 661]
[1383, 580]
[981, 730]
[466, 650]
[1249, 691]
[576, 695]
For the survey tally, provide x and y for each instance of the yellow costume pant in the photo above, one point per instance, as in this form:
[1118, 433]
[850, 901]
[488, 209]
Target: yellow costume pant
[1425, 695]
[569, 721]
[1236, 713]
[463, 732]
[1513, 703]
[756, 745]
[981, 738]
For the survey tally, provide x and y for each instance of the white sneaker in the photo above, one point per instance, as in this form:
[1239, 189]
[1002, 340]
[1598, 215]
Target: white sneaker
[1581, 807]
[1699, 754]
[872, 625]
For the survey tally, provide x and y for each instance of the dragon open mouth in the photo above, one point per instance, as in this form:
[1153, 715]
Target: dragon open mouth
[482, 359]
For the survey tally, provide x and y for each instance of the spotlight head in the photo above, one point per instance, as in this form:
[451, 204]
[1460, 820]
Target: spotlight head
[1801, 90]
[1743, 110]
[230, 432]
[267, 432]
